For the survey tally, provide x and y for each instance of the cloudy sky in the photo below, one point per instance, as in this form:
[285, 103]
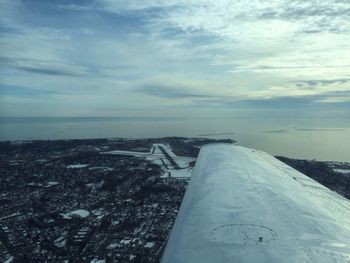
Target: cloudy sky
[174, 58]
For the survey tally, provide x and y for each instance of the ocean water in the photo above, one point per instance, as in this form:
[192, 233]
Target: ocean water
[326, 140]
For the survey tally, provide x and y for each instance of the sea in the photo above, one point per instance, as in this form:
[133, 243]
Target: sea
[300, 138]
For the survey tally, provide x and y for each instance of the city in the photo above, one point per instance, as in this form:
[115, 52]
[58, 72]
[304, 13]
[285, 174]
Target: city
[91, 200]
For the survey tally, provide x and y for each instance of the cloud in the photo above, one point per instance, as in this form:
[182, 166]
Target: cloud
[320, 82]
[148, 54]
[303, 104]
[43, 67]
[295, 67]
[17, 91]
[164, 91]
[304, 100]
[258, 99]
[76, 7]
[47, 71]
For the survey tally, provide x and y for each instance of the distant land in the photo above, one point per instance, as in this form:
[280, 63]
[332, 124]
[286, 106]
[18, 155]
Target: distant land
[318, 129]
[215, 134]
[275, 131]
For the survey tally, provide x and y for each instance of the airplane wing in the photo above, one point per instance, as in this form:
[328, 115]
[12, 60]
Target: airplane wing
[243, 205]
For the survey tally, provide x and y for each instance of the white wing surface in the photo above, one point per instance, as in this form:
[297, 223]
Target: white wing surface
[244, 205]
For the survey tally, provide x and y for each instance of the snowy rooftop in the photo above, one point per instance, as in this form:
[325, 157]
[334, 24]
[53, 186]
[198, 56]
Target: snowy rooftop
[80, 212]
[244, 205]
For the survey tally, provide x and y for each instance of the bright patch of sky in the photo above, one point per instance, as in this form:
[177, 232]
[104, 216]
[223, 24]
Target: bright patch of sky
[174, 58]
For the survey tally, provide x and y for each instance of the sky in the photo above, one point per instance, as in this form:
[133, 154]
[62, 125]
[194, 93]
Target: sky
[175, 58]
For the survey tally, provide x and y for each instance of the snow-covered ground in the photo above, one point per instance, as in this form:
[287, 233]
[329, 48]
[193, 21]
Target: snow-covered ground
[120, 152]
[244, 205]
[157, 156]
[182, 173]
[150, 244]
[77, 166]
[98, 261]
[105, 168]
[52, 183]
[342, 171]
[80, 212]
